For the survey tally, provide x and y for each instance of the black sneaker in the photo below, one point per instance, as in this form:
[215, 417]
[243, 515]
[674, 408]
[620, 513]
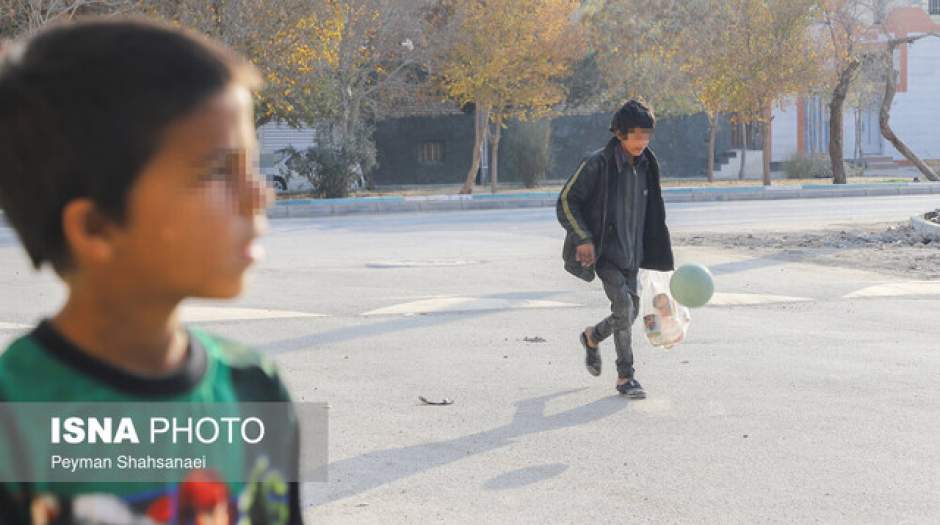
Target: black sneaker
[632, 389]
[593, 358]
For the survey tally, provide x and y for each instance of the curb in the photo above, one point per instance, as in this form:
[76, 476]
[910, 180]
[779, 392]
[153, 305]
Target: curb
[927, 229]
[301, 208]
[397, 204]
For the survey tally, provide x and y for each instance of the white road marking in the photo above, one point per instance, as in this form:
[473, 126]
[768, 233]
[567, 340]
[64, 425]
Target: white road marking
[749, 299]
[206, 314]
[898, 289]
[464, 304]
[420, 264]
[13, 326]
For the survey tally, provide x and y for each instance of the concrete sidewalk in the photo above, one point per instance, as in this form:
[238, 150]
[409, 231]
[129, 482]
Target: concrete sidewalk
[392, 204]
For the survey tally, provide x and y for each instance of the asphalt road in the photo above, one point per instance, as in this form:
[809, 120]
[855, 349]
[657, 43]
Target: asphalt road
[803, 393]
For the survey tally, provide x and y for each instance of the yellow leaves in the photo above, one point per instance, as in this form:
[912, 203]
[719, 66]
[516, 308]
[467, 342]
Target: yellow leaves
[749, 53]
[289, 41]
[310, 41]
[508, 55]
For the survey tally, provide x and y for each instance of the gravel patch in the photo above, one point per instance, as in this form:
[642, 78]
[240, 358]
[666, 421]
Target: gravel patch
[888, 248]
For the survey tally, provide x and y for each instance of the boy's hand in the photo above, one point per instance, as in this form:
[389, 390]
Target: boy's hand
[585, 254]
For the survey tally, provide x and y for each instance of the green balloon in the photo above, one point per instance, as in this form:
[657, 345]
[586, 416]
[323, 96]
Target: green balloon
[692, 285]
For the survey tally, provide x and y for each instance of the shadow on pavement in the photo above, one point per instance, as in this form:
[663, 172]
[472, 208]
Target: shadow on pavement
[392, 324]
[525, 476]
[371, 470]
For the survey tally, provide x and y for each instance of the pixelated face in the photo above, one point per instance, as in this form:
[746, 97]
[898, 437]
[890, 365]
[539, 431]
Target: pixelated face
[195, 211]
[636, 140]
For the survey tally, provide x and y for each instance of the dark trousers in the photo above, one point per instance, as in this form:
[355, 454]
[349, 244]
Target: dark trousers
[621, 288]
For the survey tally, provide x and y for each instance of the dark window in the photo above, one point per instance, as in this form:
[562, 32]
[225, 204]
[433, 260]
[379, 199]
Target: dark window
[431, 153]
[934, 7]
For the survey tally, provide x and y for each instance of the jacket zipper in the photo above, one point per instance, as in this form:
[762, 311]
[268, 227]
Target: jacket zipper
[600, 245]
[633, 254]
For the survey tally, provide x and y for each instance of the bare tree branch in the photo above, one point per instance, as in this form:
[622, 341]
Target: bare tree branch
[885, 114]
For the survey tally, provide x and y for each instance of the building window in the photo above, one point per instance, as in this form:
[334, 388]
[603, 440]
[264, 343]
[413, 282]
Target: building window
[431, 153]
[934, 8]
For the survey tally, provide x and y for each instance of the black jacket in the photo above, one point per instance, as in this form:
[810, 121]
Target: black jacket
[582, 210]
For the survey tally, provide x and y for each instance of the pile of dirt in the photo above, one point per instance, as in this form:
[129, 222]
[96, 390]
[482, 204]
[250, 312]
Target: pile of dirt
[887, 248]
[872, 237]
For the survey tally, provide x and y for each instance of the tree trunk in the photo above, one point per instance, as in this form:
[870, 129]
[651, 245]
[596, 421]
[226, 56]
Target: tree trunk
[768, 129]
[836, 154]
[216, 8]
[885, 115]
[712, 125]
[857, 150]
[743, 150]
[344, 123]
[482, 116]
[494, 153]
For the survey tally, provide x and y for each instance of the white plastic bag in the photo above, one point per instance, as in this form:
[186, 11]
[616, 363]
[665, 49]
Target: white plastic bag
[665, 321]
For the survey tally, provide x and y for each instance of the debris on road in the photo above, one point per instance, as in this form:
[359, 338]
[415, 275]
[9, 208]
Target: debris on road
[535, 339]
[443, 402]
[933, 216]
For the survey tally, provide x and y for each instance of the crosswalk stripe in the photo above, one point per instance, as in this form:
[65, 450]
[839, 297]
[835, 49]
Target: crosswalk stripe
[898, 289]
[750, 299]
[420, 264]
[13, 326]
[464, 304]
[207, 314]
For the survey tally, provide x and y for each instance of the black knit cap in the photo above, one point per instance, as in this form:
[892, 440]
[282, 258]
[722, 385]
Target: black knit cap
[633, 114]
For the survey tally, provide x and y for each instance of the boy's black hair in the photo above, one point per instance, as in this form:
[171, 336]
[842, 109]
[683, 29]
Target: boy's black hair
[83, 108]
[632, 115]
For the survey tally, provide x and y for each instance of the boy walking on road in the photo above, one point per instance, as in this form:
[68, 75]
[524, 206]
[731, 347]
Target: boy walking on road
[613, 211]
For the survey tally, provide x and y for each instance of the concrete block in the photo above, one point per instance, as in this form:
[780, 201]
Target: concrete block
[527, 203]
[698, 196]
[916, 189]
[743, 196]
[830, 194]
[677, 197]
[487, 205]
[277, 212]
[307, 210]
[782, 194]
[439, 205]
[397, 207]
[927, 229]
[353, 209]
[880, 192]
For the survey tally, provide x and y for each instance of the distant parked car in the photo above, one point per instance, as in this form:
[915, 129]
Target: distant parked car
[273, 171]
[277, 171]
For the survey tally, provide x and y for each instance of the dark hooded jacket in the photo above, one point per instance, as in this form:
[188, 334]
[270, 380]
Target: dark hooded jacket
[583, 205]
